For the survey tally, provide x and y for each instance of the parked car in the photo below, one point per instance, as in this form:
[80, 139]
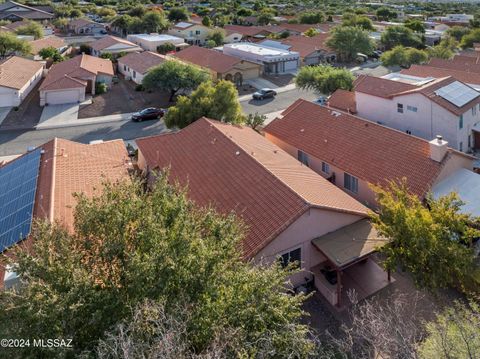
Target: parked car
[150, 113]
[264, 93]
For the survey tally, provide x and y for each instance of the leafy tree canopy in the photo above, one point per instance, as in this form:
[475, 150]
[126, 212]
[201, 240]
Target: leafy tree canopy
[385, 13]
[165, 48]
[348, 41]
[178, 14]
[324, 79]
[311, 17]
[356, 20]
[217, 36]
[400, 35]
[405, 57]
[10, 44]
[469, 39]
[32, 28]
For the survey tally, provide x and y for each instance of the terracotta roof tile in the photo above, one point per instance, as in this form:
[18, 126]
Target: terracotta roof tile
[16, 72]
[108, 41]
[368, 151]
[306, 45]
[207, 58]
[48, 41]
[234, 168]
[141, 62]
[462, 63]
[343, 100]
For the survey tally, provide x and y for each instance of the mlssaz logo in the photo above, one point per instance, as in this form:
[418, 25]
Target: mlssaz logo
[52, 343]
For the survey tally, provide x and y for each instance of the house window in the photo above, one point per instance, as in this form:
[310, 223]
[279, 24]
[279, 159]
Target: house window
[400, 107]
[460, 122]
[197, 32]
[325, 168]
[469, 141]
[125, 67]
[350, 182]
[460, 146]
[302, 157]
[291, 257]
[134, 74]
[412, 108]
[474, 110]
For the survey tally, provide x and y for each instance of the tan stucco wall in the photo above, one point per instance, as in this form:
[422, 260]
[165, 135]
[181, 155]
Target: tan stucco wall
[455, 162]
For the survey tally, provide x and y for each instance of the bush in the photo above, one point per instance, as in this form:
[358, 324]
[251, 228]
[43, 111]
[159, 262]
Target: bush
[139, 87]
[100, 88]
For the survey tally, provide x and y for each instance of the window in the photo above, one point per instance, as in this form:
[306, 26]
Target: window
[412, 108]
[460, 146]
[197, 32]
[134, 74]
[325, 168]
[460, 122]
[303, 157]
[291, 257]
[125, 67]
[350, 182]
[469, 141]
[474, 110]
[399, 107]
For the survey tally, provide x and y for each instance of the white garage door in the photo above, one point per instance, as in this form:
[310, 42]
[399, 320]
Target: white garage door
[61, 97]
[6, 100]
[290, 65]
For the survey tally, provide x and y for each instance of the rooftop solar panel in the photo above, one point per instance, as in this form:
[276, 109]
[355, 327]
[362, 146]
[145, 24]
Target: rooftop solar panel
[18, 183]
[457, 93]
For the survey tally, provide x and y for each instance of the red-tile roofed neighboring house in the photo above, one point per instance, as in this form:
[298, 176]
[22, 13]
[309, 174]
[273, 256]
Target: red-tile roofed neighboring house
[283, 203]
[221, 66]
[67, 168]
[463, 63]
[85, 27]
[137, 64]
[421, 107]
[113, 45]
[68, 81]
[355, 153]
[192, 33]
[49, 41]
[473, 79]
[13, 11]
[254, 33]
[313, 50]
[18, 76]
[343, 100]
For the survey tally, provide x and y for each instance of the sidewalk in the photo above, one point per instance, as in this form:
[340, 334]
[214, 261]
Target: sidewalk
[57, 122]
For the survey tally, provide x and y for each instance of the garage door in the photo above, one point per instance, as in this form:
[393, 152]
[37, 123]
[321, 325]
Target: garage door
[61, 97]
[6, 100]
[290, 65]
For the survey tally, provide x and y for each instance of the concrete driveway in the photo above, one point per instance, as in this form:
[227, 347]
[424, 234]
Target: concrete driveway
[57, 114]
[4, 111]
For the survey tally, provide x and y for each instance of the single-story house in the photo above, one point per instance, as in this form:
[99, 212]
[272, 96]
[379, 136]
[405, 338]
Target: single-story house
[13, 26]
[49, 41]
[18, 76]
[137, 64]
[69, 81]
[47, 187]
[85, 27]
[287, 208]
[220, 66]
[13, 11]
[313, 50]
[150, 42]
[113, 45]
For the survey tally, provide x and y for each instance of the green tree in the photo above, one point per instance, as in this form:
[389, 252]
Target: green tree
[458, 32]
[32, 28]
[165, 48]
[348, 41]
[453, 334]
[311, 17]
[137, 11]
[415, 25]
[131, 246]
[433, 244]
[356, 20]
[469, 39]
[174, 76]
[9, 45]
[50, 53]
[217, 36]
[385, 13]
[400, 35]
[445, 49]
[178, 14]
[206, 21]
[85, 49]
[324, 79]
[219, 102]
[255, 121]
[60, 23]
[154, 21]
[405, 57]
[264, 18]
[311, 32]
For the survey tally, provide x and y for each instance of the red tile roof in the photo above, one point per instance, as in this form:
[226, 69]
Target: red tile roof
[141, 62]
[306, 45]
[462, 63]
[16, 72]
[108, 41]
[438, 72]
[385, 88]
[48, 41]
[74, 71]
[207, 58]
[368, 151]
[343, 100]
[234, 168]
[253, 30]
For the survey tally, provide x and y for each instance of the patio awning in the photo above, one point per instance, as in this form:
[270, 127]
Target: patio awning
[350, 244]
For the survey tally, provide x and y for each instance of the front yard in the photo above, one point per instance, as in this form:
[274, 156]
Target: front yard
[122, 98]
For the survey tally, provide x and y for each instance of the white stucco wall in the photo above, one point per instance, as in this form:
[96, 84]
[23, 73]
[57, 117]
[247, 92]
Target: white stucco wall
[127, 71]
[429, 120]
[17, 96]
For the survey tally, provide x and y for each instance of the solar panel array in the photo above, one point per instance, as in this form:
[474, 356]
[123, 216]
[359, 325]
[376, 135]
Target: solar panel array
[457, 93]
[18, 184]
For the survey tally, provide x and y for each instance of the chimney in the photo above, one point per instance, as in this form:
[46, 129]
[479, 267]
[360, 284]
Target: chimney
[438, 148]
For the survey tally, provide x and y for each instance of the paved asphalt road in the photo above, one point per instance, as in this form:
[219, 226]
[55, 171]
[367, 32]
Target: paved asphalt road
[14, 142]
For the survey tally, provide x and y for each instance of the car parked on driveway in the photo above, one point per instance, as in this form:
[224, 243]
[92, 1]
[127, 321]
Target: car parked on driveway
[150, 113]
[264, 93]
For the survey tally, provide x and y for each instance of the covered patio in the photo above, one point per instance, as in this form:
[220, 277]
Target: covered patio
[347, 265]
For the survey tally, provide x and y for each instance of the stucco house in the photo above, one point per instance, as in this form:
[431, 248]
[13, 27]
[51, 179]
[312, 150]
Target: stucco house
[85, 27]
[113, 45]
[49, 41]
[354, 153]
[150, 42]
[421, 107]
[193, 34]
[13, 11]
[137, 64]
[291, 213]
[18, 76]
[56, 171]
[69, 81]
[219, 65]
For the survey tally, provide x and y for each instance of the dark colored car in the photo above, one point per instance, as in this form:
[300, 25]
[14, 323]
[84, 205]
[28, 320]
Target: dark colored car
[150, 113]
[264, 93]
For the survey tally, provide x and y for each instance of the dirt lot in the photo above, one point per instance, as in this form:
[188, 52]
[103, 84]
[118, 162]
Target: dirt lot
[122, 98]
[28, 113]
